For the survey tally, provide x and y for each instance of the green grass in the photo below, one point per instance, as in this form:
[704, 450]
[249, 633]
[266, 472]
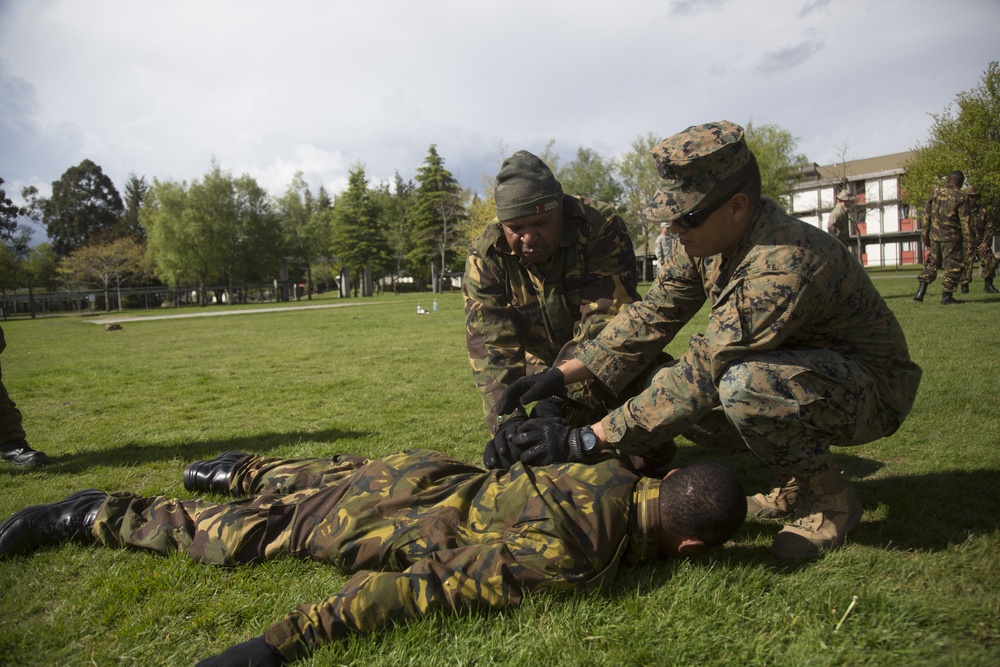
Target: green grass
[127, 410]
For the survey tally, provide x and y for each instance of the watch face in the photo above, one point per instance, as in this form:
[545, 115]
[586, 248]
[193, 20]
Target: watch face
[588, 441]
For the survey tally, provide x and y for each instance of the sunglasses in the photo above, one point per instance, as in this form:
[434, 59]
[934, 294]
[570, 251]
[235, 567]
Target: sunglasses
[698, 218]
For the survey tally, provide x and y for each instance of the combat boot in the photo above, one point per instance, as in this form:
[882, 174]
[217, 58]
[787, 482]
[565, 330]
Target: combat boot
[947, 298]
[989, 288]
[19, 453]
[964, 289]
[70, 520]
[212, 475]
[921, 291]
[828, 510]
[778, 504]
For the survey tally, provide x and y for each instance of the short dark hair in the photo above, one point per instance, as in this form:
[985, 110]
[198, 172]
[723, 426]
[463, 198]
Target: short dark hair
[705, 501]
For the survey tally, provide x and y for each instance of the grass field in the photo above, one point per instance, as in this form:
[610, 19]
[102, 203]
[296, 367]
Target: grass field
[127, 410]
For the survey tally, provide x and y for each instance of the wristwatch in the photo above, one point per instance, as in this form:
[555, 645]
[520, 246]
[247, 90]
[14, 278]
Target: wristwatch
[583, 443]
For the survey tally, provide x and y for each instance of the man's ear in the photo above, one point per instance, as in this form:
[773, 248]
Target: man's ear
[740, 207]
[691, 548]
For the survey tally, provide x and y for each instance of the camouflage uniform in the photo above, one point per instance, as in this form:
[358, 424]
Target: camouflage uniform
[664, 249]
[422, 531]
[946, 234]
[984, 229]
[800, 353]
[11, 429]
[523, 318]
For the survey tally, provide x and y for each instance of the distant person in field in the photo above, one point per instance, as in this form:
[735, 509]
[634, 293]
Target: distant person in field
[840, 224]
[421, 530]
[945, 233]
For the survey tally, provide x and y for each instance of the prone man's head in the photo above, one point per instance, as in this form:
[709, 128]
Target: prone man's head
[529, 206]
[701, 506]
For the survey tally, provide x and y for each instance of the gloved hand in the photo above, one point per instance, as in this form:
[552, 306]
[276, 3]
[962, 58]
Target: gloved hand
[549, 407]
[531, 388]
[498, 453]
[251, 653]
[543, 441]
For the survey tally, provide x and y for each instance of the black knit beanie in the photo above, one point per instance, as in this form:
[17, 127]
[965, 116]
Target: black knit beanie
[525, 186]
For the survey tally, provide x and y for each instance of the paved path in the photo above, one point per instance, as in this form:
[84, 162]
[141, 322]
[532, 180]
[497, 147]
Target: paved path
[244, 311]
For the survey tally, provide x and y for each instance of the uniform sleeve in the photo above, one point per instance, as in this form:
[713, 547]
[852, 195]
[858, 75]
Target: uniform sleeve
[495, 349]
[609, 283]
[486, 576]
[632, 340]
[757, 314]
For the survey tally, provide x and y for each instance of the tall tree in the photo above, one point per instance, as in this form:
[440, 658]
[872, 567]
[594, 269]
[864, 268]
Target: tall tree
[305, 231]
[9, 214]
[965, 136]
[84, 206]
[437, 212]
[254, 249]
[135, 191]
[774, 147]
[394, 205]
[639, 180]
[589, 175]
[357, 238]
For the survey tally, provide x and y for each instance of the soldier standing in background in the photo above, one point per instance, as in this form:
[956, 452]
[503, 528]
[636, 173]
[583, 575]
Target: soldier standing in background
[800, 352]
[664, 247]
[548, 273]
[840, 224]
[984, 227]
[945, 233]
[421, 530]
[14, 446]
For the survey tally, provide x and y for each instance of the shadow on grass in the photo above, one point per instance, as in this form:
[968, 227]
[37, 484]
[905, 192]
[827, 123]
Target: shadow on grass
[135, 453]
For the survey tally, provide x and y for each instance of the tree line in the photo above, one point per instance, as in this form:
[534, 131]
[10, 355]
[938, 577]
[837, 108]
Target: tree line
[227, 230]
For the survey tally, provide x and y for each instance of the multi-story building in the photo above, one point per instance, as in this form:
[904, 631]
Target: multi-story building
[889, 231]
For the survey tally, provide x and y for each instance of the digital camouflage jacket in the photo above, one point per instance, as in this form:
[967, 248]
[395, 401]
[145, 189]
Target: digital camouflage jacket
[423, 532]
[521, 319]
[787, 285]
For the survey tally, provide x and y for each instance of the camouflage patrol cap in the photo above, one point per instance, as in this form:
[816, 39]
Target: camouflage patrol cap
[525, 186]
[691, 163]
[973, 192]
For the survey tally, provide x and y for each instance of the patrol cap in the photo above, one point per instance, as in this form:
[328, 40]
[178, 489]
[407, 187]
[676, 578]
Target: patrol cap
[691, 163]
[973, 192]
[525, 186]
[845, 195]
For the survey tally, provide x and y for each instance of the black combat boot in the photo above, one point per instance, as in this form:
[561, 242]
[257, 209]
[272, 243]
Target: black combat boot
[212, 475]
[990, 289]
[70, 520]
[22, 455]
[947, 298]
[921, 291]
[964, 289]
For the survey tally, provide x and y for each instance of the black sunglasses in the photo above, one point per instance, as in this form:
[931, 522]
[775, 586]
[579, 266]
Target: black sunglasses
[698, 218]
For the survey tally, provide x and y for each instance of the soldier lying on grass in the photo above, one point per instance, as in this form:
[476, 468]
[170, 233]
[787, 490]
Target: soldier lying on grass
[423, 531]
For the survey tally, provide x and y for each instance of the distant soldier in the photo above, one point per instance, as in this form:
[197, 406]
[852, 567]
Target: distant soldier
[664, 247]
[984, 227]
[420, 531]
[839, 223]
[548, 273]
[945, 233]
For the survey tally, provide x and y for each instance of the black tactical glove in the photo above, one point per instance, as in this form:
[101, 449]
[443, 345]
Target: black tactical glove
[531, 388]
[251, 653]
[543, 441]
[549, 407]
[498, 453]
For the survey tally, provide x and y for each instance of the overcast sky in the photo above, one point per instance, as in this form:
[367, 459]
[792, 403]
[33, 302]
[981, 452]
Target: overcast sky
[270, 88]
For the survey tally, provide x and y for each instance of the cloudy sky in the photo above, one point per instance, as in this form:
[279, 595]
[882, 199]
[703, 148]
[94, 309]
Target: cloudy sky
[271, 88]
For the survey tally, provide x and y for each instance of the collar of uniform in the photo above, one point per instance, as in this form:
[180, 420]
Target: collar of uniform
[645, 544]
[754, 231]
